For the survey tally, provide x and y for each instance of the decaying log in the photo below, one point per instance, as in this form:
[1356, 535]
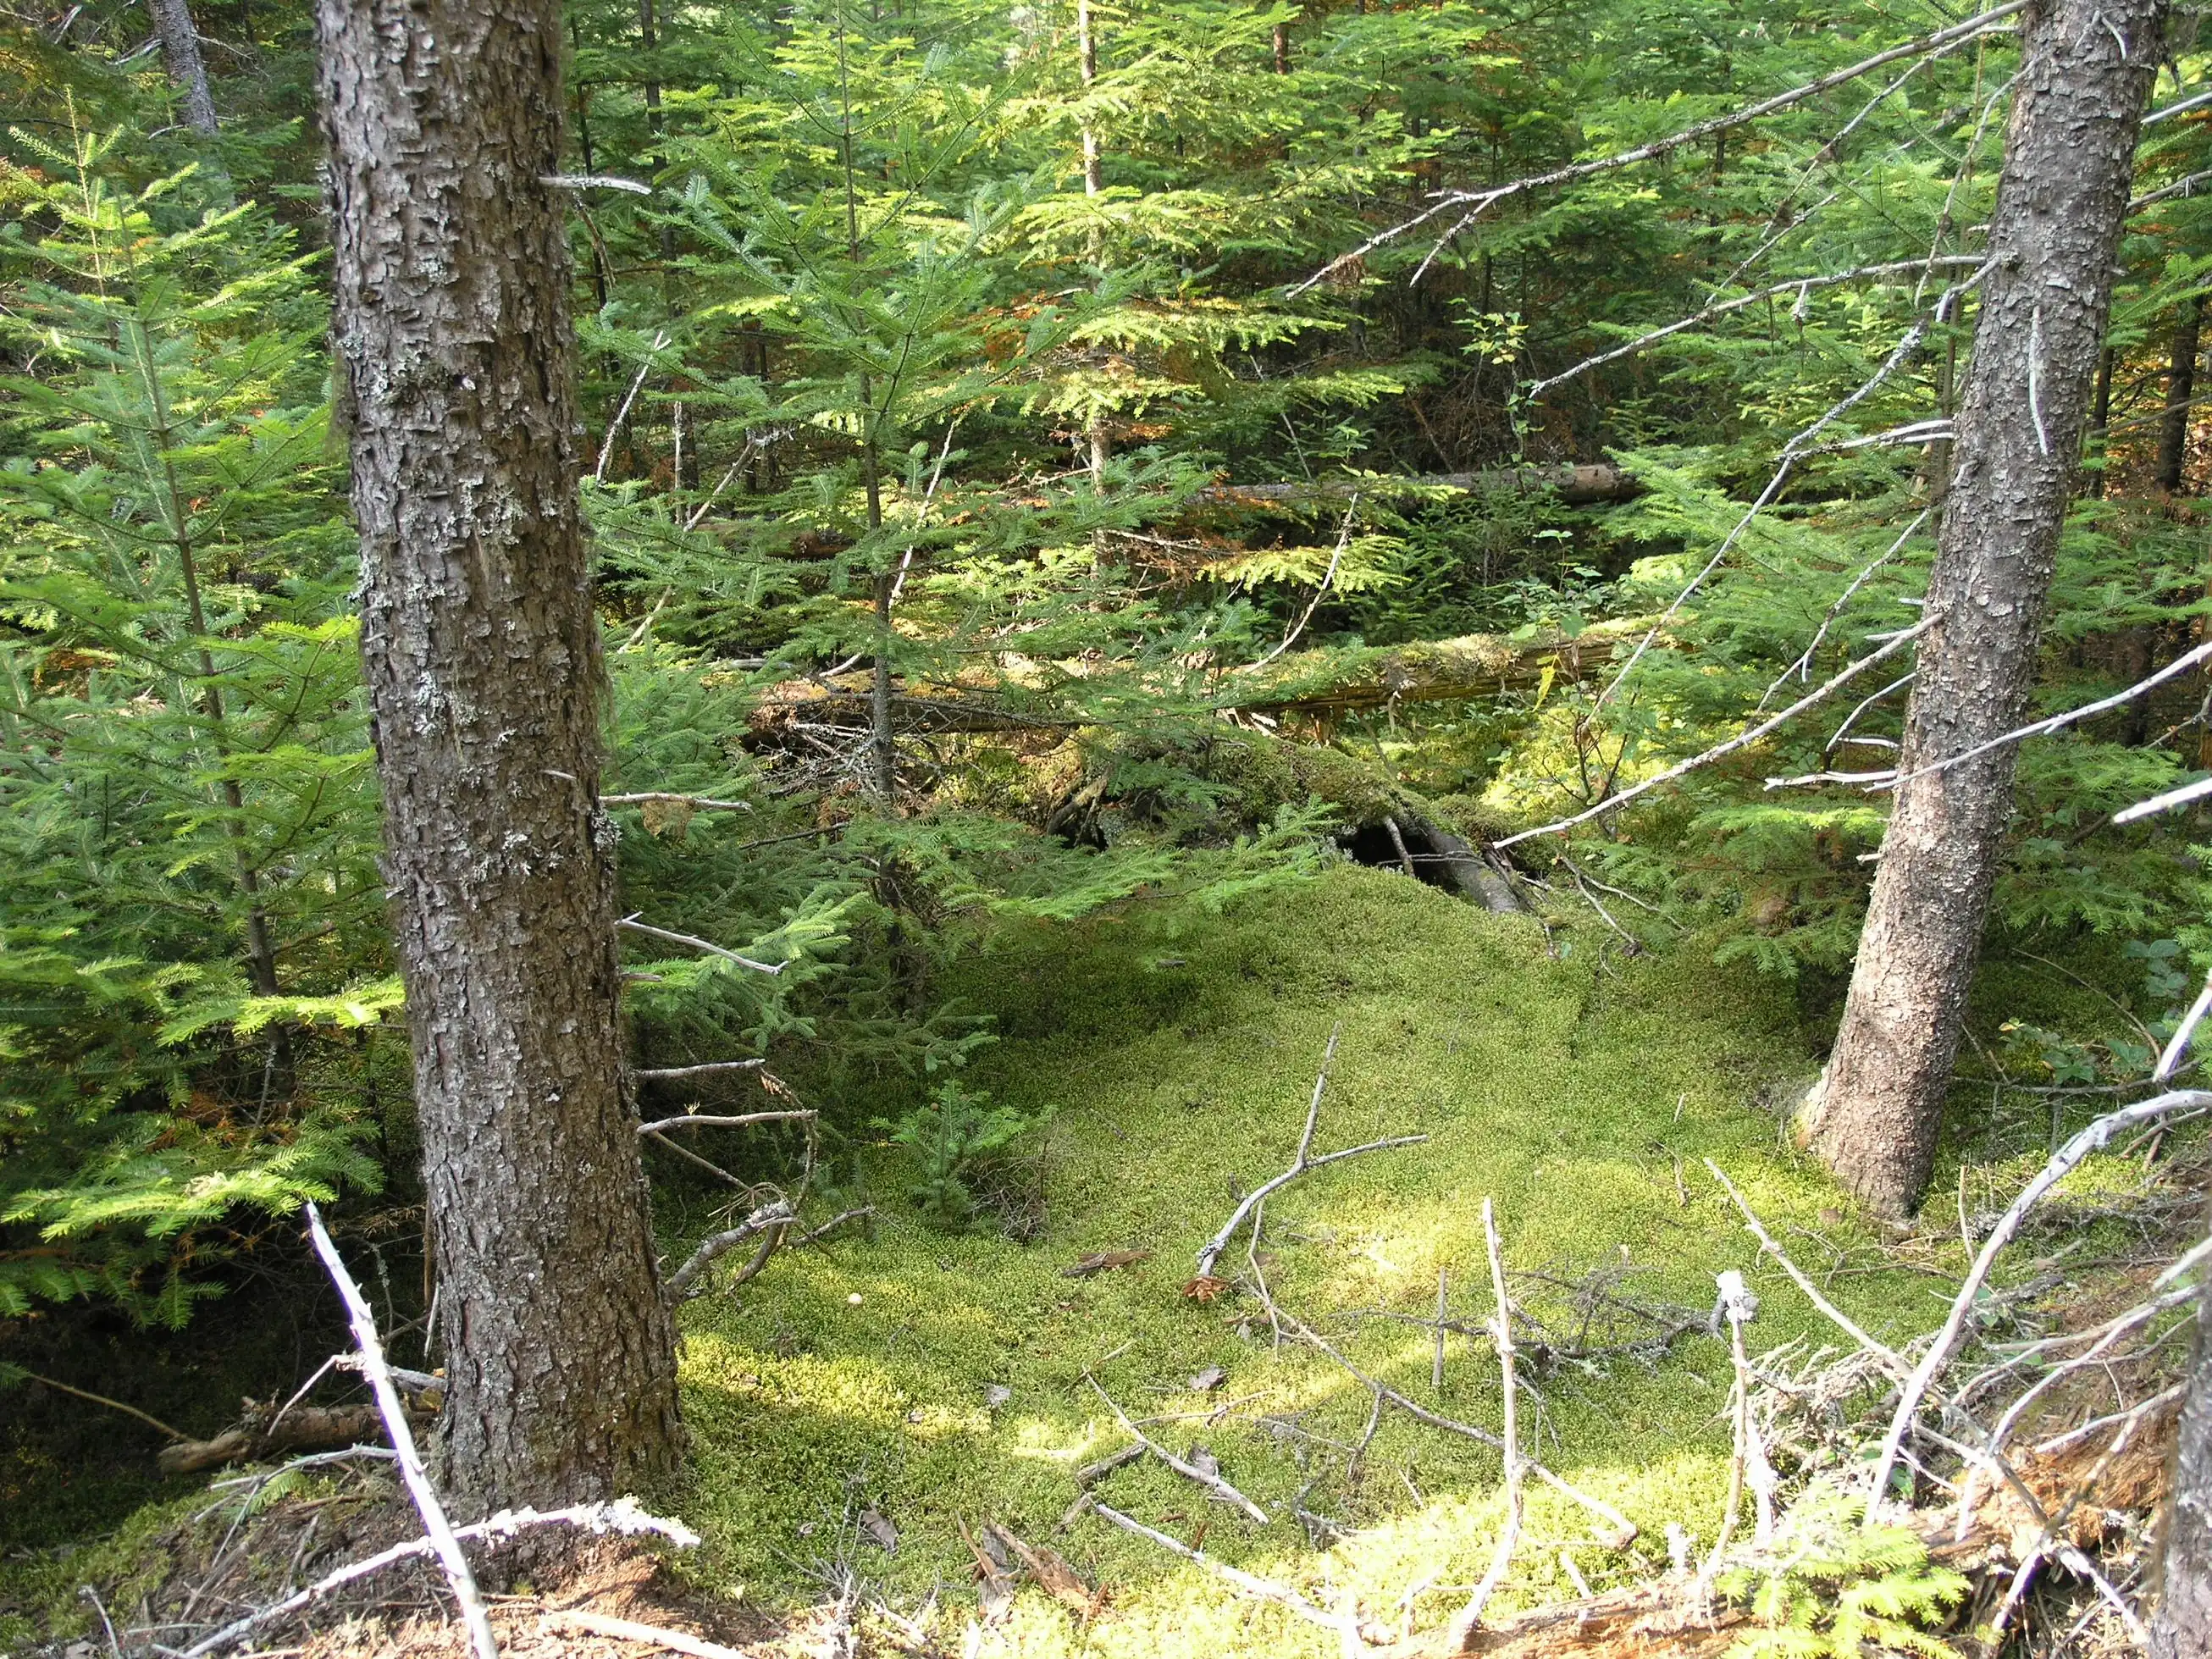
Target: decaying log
[304, 1428]
[1599, 484]
[1312, 683]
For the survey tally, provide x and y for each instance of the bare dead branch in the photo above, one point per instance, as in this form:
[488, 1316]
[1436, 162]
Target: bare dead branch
[622, 1515]
[1265, 1589]
[1620, 1530]
[1742, 740]
[1212, 1252]
[1577, 171]
[1211, 1480]
[2181, 664]
[150, 1421]
[1343, 541]
[2165, 803]
[1891, 1361]
[709, 1120]
[1459, 1634]
[1797, 285]
[1803, 666]
[2061, 1163]
[771, 1217]
[669, 1073]
[459, 1576]
[708, 945]
[696, 803]
[629, 1630]
[832, 1224]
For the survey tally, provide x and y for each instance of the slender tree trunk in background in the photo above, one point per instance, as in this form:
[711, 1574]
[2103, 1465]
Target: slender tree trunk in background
[2182, 1626]
[180, 51]
[2100, 418]
[649, 33]
[1086, 50]
[1086, 57]
[2061, 204]
[1282, 48]
[2181, 387]
[481, 657]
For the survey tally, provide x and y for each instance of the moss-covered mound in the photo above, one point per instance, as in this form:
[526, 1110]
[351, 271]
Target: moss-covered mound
[1180, 1052]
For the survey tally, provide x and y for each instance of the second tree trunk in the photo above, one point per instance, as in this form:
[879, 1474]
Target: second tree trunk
[2086, 69]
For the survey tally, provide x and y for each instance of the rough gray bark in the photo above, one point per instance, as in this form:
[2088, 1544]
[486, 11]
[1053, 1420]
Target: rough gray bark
[2181, 387]
[180, 51]
[2182, 1627]
[481, 650]
[2061, 203]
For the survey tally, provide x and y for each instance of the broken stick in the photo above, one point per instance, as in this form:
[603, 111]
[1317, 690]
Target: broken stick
[1621, 1531]
[1304, 1162]
[1211, 1481]
[1266, 1589]
[459, 1576]
[1460, 1636]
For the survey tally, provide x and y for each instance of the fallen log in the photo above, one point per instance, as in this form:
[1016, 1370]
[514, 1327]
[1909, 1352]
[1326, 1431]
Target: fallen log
[1428, 670]
[1311, 682]
[304, 1428]
[1596, 484]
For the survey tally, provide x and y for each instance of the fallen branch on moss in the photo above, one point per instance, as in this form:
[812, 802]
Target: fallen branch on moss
[1212, 1252]
[1209, 1479]
[1620, 1530]
[2091, 1139]
[459, 1578]
[1459, 1634]
[622, 1515]
[1266, 1590]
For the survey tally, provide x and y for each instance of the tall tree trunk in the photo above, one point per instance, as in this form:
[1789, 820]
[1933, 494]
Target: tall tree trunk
[180, 51]
[1086, 57]
[2182, 1627]
[2060, 203]
[2100, 420]
[648, 35]
[482, 660]
[2181, 387]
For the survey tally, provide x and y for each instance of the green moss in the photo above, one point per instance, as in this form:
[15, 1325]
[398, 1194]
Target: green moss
[1180, 1051]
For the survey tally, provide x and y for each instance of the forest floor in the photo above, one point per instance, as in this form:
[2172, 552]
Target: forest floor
[862, 1411]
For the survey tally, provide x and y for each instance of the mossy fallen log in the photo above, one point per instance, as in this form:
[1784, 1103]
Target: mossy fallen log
[1315, 683]
[1429, 671]
[1595, 484]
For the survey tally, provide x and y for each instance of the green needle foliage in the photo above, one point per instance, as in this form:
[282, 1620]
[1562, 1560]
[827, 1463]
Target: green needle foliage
[949, 488]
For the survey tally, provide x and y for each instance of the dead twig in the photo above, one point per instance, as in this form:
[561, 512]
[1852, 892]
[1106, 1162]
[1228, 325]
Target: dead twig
[706, 1120]
[1939, 1351]
[622, 1515]
[666, 1073]
[1211, 1480]
[1267, 1590]
[1892, 1361]
[459, 1576]
[1620, 1530]
[771, 1219]
[1460, 1635]
[150, 1421]
[712, 949]
[628, 1630]
[1304, 1161]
